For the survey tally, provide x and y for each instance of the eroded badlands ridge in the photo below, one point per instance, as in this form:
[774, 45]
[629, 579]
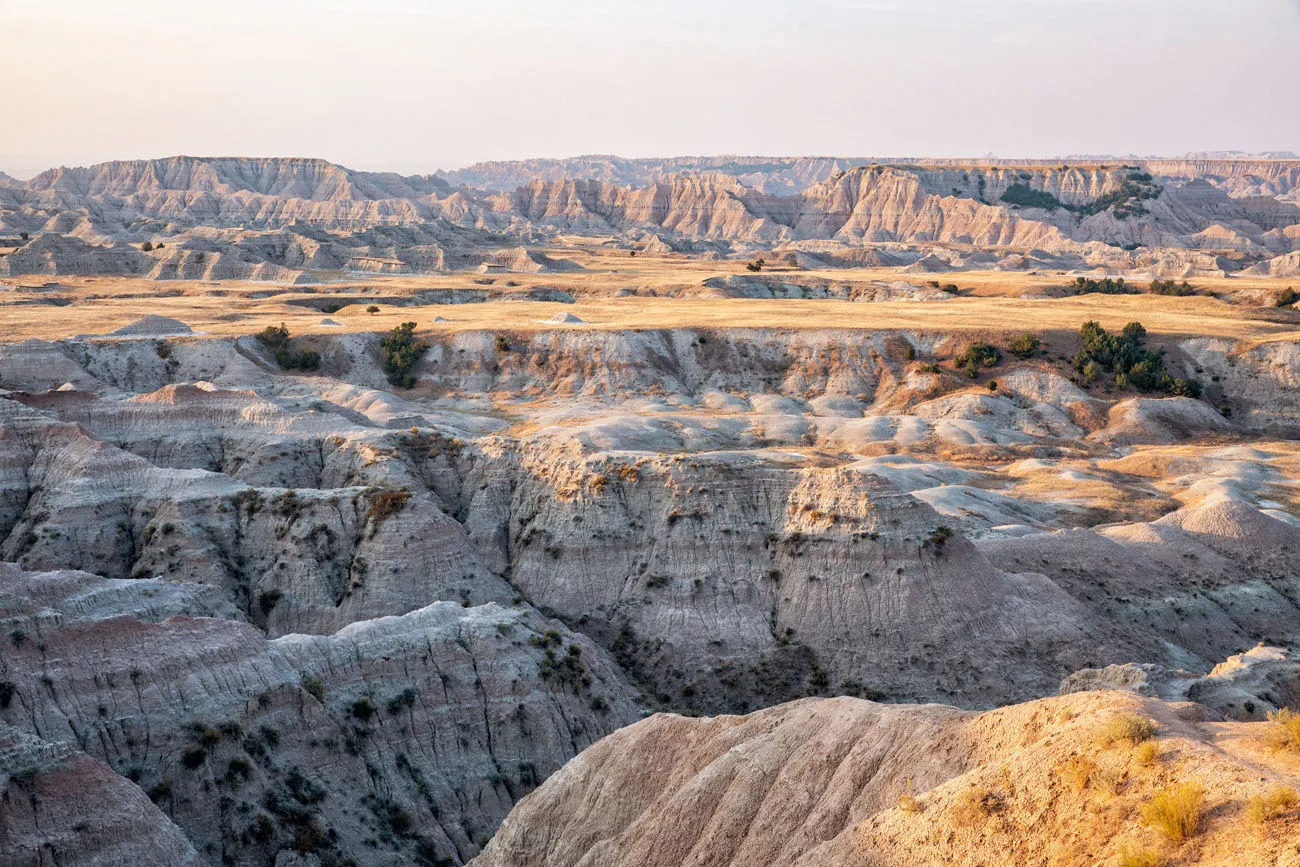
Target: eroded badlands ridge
[848, 782]
[316, 616]
[298, 220]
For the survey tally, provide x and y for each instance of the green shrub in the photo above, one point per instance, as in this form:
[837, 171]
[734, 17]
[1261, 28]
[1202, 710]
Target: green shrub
[278, 341]
[1024, 345]
[314, 687]
[978, 354]
[1169, 287]
[363, 709]
[1025, 196]
[1104, 286]
[1126, 357]
[399, 352]
[192, 757]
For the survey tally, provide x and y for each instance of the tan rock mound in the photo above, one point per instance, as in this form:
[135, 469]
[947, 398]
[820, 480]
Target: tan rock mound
[152, 326]
[848, 783]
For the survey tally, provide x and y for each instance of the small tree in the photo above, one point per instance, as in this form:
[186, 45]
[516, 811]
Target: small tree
[147, 246]
[1287, 297]
[372, 309]
[399, 352]
[23, 235]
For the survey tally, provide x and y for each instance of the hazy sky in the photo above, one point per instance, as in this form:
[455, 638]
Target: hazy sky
[413, 86]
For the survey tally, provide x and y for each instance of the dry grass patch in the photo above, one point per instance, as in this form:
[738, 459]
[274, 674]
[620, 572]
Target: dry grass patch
[1078, 771]
[975, 806]
[1283, 732]
[1274, 804]
[1138, 856]
[1127, 728]
[907, 802]
[1147, 753]
[1176, 812]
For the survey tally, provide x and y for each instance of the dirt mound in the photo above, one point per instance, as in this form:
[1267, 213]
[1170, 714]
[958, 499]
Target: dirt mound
[152, 326]
[850, 783]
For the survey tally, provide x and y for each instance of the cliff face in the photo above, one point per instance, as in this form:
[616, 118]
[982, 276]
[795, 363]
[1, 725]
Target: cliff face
[268, 219]
[419, 730]
[60, 806]
[309, 179]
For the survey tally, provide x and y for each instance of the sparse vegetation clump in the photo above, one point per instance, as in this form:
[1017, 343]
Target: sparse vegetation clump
[938, 539]
[568, 669]
[1147, 753]
[1025, 196]
[1283, 732]
[978, 355]
[1286, 297]
[907, 802]
[756, 265]
[1169, 287]
[1272, 805]
[399, 352]
[1024, 345]
[1104, 286]
[975, 805]
[1126, 728]
[1138, 856]
[1078, 771]
[385, 504]
[1127, 358]
[363, 708]
[1177, 811]
[278, 341]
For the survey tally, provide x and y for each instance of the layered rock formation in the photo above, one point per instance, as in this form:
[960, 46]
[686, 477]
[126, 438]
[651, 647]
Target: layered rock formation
[287, 220]
[331, 621]
[416, 732]
[847, 782]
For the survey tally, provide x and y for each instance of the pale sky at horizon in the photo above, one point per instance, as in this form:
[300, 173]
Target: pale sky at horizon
[412, 86]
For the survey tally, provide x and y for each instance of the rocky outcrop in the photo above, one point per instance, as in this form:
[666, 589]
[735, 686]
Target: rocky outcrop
[1247, 686]
[283, 220]
[417, 732]
[55, 255]
[850, 783]
[59, 806]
